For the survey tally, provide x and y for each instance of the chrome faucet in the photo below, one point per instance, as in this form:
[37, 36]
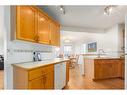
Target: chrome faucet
[36, 56]
[100, 51]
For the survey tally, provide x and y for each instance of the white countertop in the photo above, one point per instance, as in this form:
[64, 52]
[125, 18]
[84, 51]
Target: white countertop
[31, 65]
[106, 58]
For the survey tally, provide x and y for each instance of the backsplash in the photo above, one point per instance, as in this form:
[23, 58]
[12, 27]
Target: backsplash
[21, 51]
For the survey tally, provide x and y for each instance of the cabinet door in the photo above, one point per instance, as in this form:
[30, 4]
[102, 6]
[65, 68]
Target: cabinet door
[58, 36]
[55, 34]
[43, 29]
[26, 23]
[106, 69]
[122, 69]
[67, 72]
[49, 80]
[37, 83]
[114, 68]
[103, 70]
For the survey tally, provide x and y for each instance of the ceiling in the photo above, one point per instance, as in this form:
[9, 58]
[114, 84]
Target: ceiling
[90, 17]
[75, 37]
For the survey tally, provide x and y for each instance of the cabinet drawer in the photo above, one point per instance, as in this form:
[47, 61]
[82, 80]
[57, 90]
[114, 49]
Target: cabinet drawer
[35, 73]
[47, 69]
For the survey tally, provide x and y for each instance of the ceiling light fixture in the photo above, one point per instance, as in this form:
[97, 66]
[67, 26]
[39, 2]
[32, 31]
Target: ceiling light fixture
[62, 9]
[108, 10]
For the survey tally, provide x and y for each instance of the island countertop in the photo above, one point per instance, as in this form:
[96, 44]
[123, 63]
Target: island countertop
[33, 65]
[104, 58]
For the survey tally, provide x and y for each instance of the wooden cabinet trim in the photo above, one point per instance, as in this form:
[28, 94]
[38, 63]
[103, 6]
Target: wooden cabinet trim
[44, 13]
[107, 68]
[40, 71]
[36, 38]
[18, 28]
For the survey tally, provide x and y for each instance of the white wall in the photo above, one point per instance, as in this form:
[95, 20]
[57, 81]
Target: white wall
[121, 37]
[1, 31]
[79, 48]
[63, 44]
[88, 38]
[110, 41]
[20, 51]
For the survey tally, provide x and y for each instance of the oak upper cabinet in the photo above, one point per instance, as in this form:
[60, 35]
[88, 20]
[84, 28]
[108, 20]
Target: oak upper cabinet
[43, 29]
[58, 35]
[26, 23]
[55, 34]
[36, 26]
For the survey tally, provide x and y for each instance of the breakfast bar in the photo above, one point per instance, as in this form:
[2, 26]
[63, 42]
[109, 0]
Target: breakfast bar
[103, 68]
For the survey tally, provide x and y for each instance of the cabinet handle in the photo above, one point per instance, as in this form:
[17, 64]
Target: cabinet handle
[44, 81]
[49, 41]
[35, 38]
[38, 38]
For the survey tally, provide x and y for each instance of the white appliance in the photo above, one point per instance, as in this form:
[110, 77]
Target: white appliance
[60, 75]
[81, 64]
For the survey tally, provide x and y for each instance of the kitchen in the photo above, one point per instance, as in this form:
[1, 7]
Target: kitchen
[1, 52]
[27, 40]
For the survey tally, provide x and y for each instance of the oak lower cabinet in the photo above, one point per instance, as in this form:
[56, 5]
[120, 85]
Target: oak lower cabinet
[43, 82]
[67, 72]
[103, 68]
[37, 83]
[107, 68]
[122, 69]
[49, 81]
[38, 78]
[42, 77]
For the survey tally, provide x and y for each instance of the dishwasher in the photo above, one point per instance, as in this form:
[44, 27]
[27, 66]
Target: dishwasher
[60, 75]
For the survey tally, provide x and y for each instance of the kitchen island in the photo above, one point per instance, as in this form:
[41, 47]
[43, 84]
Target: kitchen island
[103, 68]
[41, 74]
